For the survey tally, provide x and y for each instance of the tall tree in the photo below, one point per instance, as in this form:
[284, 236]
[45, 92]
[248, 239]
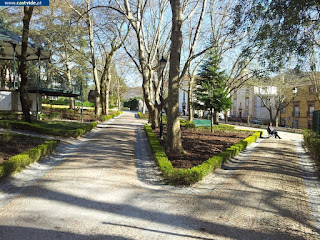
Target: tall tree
[89, 20]
[25, 103]
[284, 27]
[66, 38]
[211, 89]
[173, 129]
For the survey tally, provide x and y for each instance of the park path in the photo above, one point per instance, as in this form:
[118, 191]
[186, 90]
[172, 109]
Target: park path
[107, 187]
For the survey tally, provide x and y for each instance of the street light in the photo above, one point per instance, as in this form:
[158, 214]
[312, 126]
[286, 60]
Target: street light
[38, 83]
[294, 92]
[162, 65]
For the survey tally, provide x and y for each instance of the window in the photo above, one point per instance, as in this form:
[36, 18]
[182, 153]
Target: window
[310, 109]
[283, 108]
[247, 102]
[296, 111]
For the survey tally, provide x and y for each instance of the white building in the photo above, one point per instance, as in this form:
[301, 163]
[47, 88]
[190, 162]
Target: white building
[10, 101]
[183, 99]
[248, 105]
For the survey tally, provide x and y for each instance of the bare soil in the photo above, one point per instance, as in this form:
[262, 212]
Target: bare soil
[67, 114]
[200, 145]
[17, 144]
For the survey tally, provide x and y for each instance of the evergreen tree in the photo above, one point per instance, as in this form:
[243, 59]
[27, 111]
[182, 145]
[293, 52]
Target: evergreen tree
[211, 90]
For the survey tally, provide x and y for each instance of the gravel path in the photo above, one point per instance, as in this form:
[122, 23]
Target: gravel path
[106, 186]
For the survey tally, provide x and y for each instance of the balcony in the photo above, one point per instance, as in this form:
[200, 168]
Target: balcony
[49, 88]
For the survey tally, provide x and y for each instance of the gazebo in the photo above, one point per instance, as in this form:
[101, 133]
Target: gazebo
[10, 49]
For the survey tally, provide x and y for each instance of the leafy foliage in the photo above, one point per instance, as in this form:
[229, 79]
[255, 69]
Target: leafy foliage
[283, 27]
[312, 141]
[132, 103]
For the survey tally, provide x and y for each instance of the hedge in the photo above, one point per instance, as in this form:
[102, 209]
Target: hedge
[34, 127]
[16, 163]
[197, 173]
[108, 117]
[312, 141]
[143, 116]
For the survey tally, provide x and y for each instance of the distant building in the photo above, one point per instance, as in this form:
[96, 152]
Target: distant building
[299, 112]
[247, 105]
[10, 101]
[184, 98]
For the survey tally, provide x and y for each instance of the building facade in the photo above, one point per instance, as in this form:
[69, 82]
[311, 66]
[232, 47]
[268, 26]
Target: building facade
[298, 113]
[247, 104]
[10, 101]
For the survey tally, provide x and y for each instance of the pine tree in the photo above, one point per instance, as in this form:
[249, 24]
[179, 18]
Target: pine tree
[211, 90]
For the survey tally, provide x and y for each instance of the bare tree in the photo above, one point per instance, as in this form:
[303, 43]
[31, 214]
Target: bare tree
[87, 16]
[275, 93]
[25, 103]
[115, 33]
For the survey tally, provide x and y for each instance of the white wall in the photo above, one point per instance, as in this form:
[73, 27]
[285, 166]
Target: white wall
[183, 100]
[5, 100]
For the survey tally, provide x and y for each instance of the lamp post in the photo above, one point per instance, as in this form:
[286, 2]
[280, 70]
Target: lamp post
[294, 92]
[162, 65]
[38, 83]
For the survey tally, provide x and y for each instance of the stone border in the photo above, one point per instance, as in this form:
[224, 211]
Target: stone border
[311, 182]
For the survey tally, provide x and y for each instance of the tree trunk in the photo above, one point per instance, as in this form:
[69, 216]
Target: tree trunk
[71, 100]
[154, 118]
[103, 95]
[93, 62]
[108, 82]
[118, 96]
[143, 106]
[212, 119]
[25, 103]
[216, 117]
[190, 99]
[173, 121]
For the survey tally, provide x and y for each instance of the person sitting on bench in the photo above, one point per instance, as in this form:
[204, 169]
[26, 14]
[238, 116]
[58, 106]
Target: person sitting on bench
[272, 131]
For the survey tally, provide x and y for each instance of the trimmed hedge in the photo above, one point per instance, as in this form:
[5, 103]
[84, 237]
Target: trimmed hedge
[143, 116]
[16, 163]
[312, 141]
[197, 173]
[34, 127]
[56, 131]
[108, 117]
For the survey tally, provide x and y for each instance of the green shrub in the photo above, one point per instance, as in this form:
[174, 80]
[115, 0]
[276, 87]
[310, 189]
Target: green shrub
[197, 173]
[104, 118]
[143, 116]
[186, 124]
[50, 128]
[312, 141]
[10, 115]
[62, 101]
[16, 163]
[131, 103]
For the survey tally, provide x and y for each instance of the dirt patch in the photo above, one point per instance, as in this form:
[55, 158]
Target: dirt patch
[16, 144]
[200, 145]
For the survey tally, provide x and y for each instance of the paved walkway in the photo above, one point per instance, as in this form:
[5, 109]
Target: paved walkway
[104, 186]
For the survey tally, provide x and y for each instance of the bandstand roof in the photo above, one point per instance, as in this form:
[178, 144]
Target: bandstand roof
[10, 42]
